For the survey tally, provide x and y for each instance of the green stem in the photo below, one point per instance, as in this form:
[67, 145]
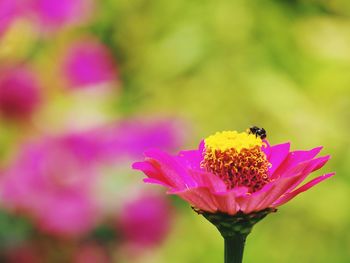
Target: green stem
[234, 247]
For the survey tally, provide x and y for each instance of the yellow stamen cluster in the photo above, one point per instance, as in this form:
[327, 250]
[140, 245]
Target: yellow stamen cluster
[237, 158]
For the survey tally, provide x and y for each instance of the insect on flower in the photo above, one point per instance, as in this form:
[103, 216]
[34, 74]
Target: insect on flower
[261, 132]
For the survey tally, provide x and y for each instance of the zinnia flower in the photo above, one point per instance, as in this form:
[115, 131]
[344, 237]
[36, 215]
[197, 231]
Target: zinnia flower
[234, 180]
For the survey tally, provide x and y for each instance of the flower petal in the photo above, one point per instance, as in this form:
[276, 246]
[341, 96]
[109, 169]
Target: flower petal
[278, 189]
[274, 190]
[276, 155]
[268, 194]
[166, 169]
[209, 180]
[287, 197]
[153, 173]
[192, 159]
[306, 168]
[227, 202]
[294, 158]
[199, 197]
[155, 181]
[250, 202]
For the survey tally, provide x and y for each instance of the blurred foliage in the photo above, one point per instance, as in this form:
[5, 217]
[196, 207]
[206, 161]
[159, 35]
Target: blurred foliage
[227, 64]
[20, 230]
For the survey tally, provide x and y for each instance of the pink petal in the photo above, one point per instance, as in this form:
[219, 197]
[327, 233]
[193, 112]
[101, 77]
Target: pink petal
[276, 155]
[201, 146]
[278, 189]
[155, 181]
[153, 172]
[268, 194]
[192, 159]
[306, 168]
[165, 168]
[200, 198]
[227, 200]
[249, 202]
[284, 199]
[208, 180]
[294, 158]
[282, 185]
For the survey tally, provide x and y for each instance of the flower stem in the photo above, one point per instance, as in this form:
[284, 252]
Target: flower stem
[234, 247]
[235, 229]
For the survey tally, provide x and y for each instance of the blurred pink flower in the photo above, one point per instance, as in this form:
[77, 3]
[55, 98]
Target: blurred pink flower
[53, 186]
[145, 221]
[88, 63]
[51, 14]
[19, 92]
[8, 10]
[53, 179]
[124, 139]
[129, 138]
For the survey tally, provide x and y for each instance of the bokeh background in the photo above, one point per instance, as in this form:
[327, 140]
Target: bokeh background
[86, 86]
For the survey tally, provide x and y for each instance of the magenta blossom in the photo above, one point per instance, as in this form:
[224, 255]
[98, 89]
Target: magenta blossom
[53, 186]
[145, 221]
[8, 11]
[130, 138]
[19, 92]
[53, 180]
[88, 63]
[126, 139]
[234, 173]
[52, 14]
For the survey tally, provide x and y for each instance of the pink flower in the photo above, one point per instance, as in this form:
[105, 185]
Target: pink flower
[130, 138]
[89, 63]
[126, 139]
[53, 186]
[52, 14]
[234, 173]
[145, 221]
[19, 92]
[53, 180]
[8, 11]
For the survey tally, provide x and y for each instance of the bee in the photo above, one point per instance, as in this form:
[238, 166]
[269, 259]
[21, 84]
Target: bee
[257, 132]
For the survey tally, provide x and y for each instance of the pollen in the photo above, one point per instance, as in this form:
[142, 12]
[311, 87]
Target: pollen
[237, 159]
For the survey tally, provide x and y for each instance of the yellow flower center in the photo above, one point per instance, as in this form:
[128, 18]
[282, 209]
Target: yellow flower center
[236, 158]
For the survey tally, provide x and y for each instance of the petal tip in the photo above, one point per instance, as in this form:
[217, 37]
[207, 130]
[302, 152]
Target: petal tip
[137, 165]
